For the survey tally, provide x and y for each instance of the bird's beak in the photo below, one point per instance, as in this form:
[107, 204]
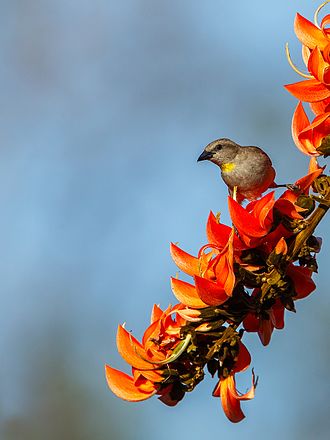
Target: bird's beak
[205, 156]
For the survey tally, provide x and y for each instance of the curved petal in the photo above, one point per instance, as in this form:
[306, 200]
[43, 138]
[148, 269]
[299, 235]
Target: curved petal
[156, 313]
[317, 130]
[281, 247]
[186, 294]
[251, 323]
[262, 209]
[145, 381]
[210, 293]
[301, 277]
[287, 207]
[316, 65]
[244, 221]
[310, 90]
[305, 182]
[313, 165]
[277, 315]
[218, 234]
[244, 359]
[131, 350]
[224, 268]
[320, 107]
[272, 238]
[151, 333]
[325, 21]
[185, 262]
[123, 386]
[231, 406]
[230, 398]
[142, 376]
[309, 34]
[265, 331]
[299, 122]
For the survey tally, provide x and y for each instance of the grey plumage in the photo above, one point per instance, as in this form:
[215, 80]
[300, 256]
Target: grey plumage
[248, 168]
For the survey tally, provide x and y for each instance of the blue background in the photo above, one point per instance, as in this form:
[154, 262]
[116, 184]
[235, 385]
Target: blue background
[105, 106]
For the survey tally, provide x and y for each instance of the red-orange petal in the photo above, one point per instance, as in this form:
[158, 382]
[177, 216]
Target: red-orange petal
[210, 293]
[224, 269]
[265, 331]
[313, 165]
[244, 221]
[123, 386]
[243, 360]
[156, 313]
[299, 122]
[325, 21]
[131, 350]
[150, 375]
[277, 315]
[185, 262]
[309, 34]
[218, 234]
[305, 182]
[151, 333]
[320, 106]
[186, 293]
[316, 131]
[316, 65]
[310, 90]
[287, 207]
[230, 405]
[301, 277]
[262, 209]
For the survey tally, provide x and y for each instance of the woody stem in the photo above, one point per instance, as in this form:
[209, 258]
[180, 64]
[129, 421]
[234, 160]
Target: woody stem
[314, 220]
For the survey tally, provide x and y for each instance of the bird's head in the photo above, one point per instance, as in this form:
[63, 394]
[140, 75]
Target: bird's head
[220, 151]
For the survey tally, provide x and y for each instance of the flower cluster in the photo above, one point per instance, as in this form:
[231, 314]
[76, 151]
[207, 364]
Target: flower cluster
[247, 274]
[312, 138]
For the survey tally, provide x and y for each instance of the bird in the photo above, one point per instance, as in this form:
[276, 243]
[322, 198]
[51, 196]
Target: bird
[247, 168]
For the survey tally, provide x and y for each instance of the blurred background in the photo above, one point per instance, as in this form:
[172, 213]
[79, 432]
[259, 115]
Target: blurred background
[105, 107]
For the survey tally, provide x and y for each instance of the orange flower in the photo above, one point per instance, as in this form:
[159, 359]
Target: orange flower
[213, 274]
[226, 388]
[255, 221]
[308, 136]
[316, 54]
[147, 359]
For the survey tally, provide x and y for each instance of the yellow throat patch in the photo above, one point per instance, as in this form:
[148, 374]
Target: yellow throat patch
[228, 167]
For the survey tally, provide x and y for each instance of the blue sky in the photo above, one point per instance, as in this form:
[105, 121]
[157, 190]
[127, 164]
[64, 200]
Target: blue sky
[105, 107]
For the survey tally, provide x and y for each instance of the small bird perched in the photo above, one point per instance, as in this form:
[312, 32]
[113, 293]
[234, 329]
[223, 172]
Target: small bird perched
[247, 168]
